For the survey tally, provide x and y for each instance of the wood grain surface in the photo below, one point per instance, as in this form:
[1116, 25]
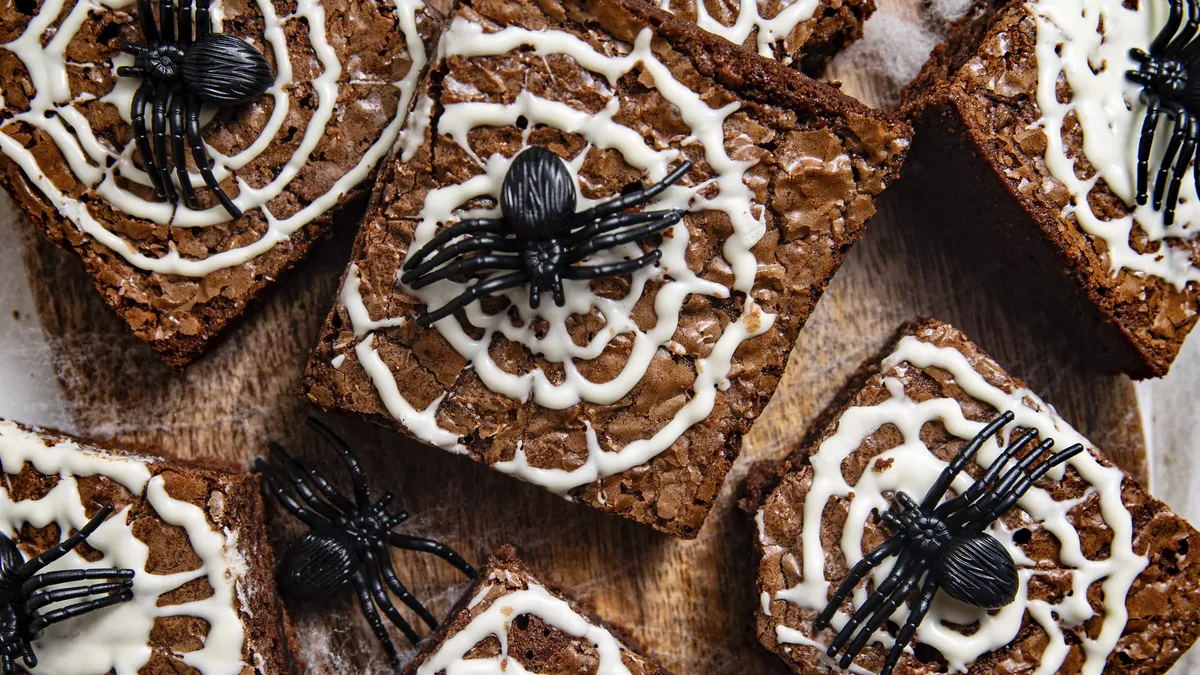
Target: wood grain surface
[690, 603]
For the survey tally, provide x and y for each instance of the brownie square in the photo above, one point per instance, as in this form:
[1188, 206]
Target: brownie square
[204, 576]
[1106, 578]
[512, 615]
[345, 73]
[634, 398]
[803, 35]
[1017, 167]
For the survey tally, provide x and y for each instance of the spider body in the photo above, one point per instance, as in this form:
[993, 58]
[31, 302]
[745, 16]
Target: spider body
[25, 591]
[539, 239]
[1169, 74]
[349, 542]
[181, 73]
[943, 543]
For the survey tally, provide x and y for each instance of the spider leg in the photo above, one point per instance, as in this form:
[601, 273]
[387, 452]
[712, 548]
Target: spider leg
[919, 610]
[902, 571]
[368, 608]
[1170, 28]
[179, 152]
[609, 270]
[159, 127]
[361, 493]
[1191, 134]
[388, 572]
[437, 548]
[166, 19]
[1149, 126]
[313, 520]
[613, 223]
[1168, 159]
[985, 503]
[196, 141]
[939, 487]
[141, 138]
[468, 267]
[471, 294]
[51, 596]
[40, 581]
[203, 22]
[385, 603]
[146, 18]
[470, 226]
[979, 487]
[860, 569]
[296, 474]
[892, 520]
[41, 621]
[30, 567]
[185, 22]
[481, 242]
[1022, 486]
[1181, 38]
[605, 241]
[881, 615]
[636, 197]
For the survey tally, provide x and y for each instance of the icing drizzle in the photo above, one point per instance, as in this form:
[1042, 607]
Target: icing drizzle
[1110, 113]
[450, 656]
[911, 467]
[56, 112]
[726, 191]
[116, 639]
[767, 32]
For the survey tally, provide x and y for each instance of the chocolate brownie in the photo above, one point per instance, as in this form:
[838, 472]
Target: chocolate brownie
[1029, 133]
[344, 74]
[203, 587]
[1105, 577]
[510, 616]
[634, 397]
[804, 35]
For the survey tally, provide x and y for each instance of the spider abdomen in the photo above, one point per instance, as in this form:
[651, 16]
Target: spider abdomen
[225, 70]
[316, 566]
[538, 195]
[976, 568]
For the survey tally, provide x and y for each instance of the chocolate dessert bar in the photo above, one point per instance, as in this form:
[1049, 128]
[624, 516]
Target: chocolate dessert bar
[1103, 576]
[168, 251]
[203, 590]
[804, 35]
[629, 393]
[511, 619]
[1032, 126]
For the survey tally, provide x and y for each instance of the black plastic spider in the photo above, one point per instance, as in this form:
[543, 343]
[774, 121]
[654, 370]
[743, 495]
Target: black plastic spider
[1170, 79]
[944, 543]
[539, 236]
[23, 592]
[180, 74]
[349, 543]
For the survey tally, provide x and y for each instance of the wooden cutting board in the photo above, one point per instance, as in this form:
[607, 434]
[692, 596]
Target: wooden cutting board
[691, 602]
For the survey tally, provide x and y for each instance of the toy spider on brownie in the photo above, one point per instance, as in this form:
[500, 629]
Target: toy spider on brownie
[349, 543]
[944, 543]
[25, 590]
[181, 73]
[539, 237]
[1170, 78]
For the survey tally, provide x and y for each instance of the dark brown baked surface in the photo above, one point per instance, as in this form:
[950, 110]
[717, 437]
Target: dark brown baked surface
[539, 646]
[974, 105]
[1161, 604]
[820, 158]
[807, 44]
[180, 315]
[232, 504]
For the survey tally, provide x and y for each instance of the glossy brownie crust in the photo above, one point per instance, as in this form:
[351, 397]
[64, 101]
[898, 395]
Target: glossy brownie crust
[180, 316]
[811, 44]
[540, 648]
[1163, 605]
[233, 503]
[976, 152]
[784, 118]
